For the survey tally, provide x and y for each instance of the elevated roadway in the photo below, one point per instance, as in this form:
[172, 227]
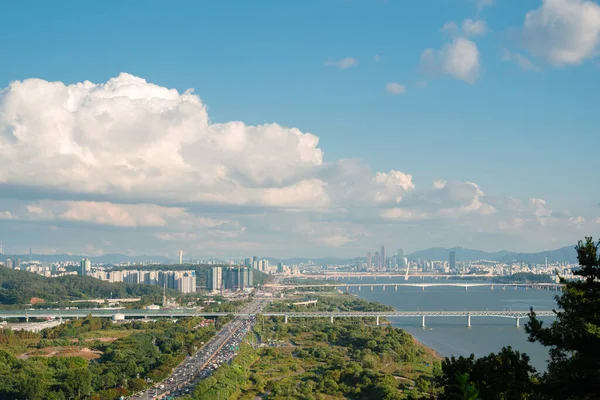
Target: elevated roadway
[52, 314]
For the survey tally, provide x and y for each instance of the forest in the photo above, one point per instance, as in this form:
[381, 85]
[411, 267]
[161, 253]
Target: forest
[315, 359]
[110, 360]
[18, 287]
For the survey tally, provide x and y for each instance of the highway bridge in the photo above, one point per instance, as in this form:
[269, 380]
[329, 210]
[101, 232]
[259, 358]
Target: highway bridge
[383, 286]
[190, 312]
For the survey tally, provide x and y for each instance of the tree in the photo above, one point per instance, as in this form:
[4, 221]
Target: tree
[463, 390]
[506, 375]
[574, 337]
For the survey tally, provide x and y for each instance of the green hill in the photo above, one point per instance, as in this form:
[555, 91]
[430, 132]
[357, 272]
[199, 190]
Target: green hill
[18, 287]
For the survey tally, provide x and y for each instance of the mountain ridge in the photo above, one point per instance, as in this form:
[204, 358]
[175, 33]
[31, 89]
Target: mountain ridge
[563, 254]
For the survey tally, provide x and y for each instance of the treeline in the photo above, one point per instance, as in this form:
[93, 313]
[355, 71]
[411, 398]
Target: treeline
[18, 287]
[335, 302]
[127, 365]
[524, 277]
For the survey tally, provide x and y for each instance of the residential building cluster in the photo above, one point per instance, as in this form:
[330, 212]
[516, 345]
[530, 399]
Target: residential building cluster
[182, 281]
[229, 278]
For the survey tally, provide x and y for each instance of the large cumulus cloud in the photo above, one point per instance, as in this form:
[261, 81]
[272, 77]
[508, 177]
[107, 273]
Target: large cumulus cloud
[135, 157]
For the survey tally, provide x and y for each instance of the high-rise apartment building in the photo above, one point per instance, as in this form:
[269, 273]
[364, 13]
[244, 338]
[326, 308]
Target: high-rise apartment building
[400, 258]
[369, 261]
[237, 278]
[383, 260]
[452, 260]
[86, 266]
[9, 263]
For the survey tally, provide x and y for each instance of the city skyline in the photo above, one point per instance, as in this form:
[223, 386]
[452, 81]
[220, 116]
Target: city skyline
[326, 142]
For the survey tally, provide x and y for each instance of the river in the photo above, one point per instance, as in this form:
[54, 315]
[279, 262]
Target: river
[450, 335]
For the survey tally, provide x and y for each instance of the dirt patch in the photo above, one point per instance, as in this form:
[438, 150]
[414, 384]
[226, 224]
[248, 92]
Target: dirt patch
[67, 351]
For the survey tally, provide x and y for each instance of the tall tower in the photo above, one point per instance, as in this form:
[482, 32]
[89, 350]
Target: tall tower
[382, 257]
[180, 257]
[369, 261]
[400, 259]
[452, 260]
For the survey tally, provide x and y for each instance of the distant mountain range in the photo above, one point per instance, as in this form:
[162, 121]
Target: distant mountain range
[564, 254]
[104, 259]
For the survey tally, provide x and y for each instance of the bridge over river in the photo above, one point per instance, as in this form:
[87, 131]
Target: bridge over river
[190, 312]
[383, 286]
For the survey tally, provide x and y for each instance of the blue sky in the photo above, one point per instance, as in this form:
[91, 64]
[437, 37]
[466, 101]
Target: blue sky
[515, 131]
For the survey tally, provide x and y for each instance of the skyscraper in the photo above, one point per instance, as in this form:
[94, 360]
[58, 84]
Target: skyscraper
[376, 261]
[383, 263]
[214, 279]
[9, 263]
[86, 266]
[400, 258]
[452, 260]
[369, 261]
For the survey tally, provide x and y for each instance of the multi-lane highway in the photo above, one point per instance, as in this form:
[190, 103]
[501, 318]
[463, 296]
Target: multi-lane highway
[220, 349]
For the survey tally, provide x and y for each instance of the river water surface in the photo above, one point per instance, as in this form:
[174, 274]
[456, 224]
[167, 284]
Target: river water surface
[450, 335]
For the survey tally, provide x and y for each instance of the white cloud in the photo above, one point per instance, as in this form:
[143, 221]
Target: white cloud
[564, 32]
[132, 157]
[343, 63]
[100, 213]
[421, 84]
[450, 28]
[481, 4]
[523, 62]
[474, 27]
[577, 221]
[131, 139]
[377, 58]
[469, 28]
[395, 88]
[598, 220]
[459, 59]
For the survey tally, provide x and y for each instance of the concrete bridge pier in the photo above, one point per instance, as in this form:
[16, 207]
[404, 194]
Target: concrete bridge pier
[422, 321]
[517, 320]
[422, 288]
[383, 288]
[359, 288]
[285, 319]
[347, 289]
[491, 287]
[371, 288]
[466, 288]
[468, 320]
[516, 287]
[377, 320]
[332, 319]
[504, 287]
[396, 288]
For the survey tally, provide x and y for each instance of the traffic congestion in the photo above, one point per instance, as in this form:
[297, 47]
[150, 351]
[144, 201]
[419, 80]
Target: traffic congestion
[222, 348]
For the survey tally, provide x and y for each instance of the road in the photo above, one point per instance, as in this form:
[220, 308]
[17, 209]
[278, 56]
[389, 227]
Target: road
[217, 351]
